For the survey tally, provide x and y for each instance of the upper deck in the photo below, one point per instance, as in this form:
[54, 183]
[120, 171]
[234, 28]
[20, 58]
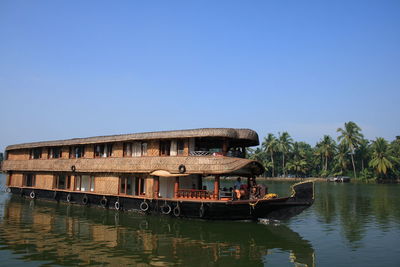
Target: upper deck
[237, 137]
[196, 142]
[140, 152]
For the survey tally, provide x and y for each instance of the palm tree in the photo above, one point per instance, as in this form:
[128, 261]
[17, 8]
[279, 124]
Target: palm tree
[284, 145]
[363, 152]
[270, 146]
[298, 166]
[382, 160]
[327, 149]
[341, 160]
[351, 137]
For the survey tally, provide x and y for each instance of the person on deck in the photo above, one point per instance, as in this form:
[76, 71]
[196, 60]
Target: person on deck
[239, 190]
[238, 183]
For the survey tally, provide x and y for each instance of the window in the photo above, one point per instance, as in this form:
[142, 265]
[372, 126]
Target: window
[127, 150]
[103, 150]
[62, 181]
[36, 153]
[76, 152]
[181, 146]
[54, 153]
[129, 185]
[29, 180]
[144, 148]
[126, 185]
[135, 149]
[165, 147]
[84, 183]
[139, 186]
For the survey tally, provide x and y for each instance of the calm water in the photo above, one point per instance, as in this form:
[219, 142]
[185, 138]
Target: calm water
[349, 225]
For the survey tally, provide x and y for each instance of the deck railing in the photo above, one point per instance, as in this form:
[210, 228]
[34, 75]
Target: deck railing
[235, 154]
[192, 193]
[200, 153]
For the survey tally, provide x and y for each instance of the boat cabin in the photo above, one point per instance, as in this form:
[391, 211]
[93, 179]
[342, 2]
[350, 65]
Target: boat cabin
[156, 165]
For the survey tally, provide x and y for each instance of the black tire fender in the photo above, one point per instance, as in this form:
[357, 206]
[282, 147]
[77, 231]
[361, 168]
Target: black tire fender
[182, 168]
[177, 211]
[166, 209]
[103, 202]
[144, 206]
[85, 200]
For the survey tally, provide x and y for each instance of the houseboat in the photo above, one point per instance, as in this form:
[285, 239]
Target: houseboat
[156, 172]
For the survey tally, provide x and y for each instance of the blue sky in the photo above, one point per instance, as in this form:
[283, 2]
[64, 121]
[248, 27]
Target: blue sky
[85, 68]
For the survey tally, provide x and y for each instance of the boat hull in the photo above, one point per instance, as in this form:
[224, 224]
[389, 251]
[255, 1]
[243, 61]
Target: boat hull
[278, 209]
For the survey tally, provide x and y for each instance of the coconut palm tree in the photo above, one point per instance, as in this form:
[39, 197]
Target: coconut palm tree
[284, 145]
[298, 166]
[382, 159]
[351, 137]
[341, 160]
[270, 147]
[327, 149]
[363, 152]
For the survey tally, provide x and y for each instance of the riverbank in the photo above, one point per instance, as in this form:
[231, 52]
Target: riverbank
[295, 179]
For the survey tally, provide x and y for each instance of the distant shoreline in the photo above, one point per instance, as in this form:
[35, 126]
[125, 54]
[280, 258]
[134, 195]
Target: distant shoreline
[316, 179]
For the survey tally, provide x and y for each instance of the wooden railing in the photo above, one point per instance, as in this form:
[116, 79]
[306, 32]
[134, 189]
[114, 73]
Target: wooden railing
[192, 193]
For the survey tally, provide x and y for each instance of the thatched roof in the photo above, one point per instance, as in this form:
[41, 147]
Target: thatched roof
[194, 165]
[246, 136]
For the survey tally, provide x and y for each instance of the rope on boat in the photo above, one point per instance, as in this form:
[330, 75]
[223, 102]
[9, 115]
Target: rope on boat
[299, 183]
[266, 197]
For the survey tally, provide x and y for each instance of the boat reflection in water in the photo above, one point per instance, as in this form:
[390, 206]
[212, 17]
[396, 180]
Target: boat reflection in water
[64, 234]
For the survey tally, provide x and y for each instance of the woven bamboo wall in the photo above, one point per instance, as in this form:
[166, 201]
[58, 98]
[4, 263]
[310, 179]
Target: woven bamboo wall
[89, 151]
[19, 154]
[44, 181]
[16, 179]
[45, 153]
[118, 150]
[106, 184]
[149, 186]
[153, 148]
[65, 152]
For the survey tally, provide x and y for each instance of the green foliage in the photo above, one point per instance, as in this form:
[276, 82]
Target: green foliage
[351, 155]
[382, 157]
[351, 137]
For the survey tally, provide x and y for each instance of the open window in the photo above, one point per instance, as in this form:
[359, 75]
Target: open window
[165, 148]
[181, 146]
[62, 181]
[103, 150]
[29, 180]
[54, 152]
[76, 152]
[36, 153]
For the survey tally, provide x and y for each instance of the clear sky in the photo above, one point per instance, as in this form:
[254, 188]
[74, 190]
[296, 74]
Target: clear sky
[86, 68]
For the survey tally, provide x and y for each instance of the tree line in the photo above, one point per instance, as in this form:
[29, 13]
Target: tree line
[349, 155]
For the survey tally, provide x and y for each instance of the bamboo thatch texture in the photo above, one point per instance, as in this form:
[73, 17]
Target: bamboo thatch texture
[193, 165]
